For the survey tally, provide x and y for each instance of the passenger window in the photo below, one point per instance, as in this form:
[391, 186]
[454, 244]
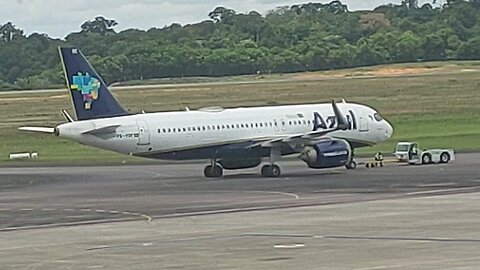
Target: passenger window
[158, 130]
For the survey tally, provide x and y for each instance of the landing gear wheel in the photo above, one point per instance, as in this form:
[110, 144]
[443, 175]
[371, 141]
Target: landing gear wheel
[444, 158]
[352, 165]
[271, 171]
[213, 171]
[426, 159]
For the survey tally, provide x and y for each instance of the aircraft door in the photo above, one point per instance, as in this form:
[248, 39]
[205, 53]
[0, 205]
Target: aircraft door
[363, 125]
[283, 124]
[279, 126]
[143, 133]
[276, 126]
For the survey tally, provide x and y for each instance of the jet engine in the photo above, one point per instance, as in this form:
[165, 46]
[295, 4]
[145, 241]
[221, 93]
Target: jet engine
[327, 154]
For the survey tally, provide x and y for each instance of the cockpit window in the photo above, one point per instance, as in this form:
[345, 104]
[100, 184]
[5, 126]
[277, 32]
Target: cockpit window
[378, 117]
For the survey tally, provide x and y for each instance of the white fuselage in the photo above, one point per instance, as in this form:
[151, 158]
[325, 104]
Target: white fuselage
[166, 132]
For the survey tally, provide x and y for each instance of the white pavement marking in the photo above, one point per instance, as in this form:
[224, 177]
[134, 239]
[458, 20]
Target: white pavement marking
[288, 246]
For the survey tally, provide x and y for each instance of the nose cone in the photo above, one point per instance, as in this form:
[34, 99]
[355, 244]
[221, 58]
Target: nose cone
[388, 130]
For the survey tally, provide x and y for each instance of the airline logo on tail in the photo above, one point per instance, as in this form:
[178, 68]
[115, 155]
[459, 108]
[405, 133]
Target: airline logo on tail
[88, 86]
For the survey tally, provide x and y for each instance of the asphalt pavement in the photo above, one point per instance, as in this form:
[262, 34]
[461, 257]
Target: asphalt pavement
[168, 216]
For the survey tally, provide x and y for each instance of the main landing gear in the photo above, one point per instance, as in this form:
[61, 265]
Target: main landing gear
[213, 171]
[351, 164]
[272, 170]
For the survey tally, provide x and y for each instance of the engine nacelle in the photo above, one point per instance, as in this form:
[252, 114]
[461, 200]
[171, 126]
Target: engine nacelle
[327, 154]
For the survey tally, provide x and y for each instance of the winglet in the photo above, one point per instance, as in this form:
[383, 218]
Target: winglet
[342, 123]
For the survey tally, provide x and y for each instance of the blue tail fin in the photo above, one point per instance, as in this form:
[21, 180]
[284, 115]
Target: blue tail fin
[90, 96]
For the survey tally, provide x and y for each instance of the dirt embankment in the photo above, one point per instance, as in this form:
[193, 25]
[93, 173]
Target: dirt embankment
[380, 72]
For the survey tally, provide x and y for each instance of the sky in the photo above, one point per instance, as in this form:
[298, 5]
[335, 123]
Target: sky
[58, 18]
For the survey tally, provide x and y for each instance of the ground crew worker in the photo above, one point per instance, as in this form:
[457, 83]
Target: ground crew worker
[379, 158]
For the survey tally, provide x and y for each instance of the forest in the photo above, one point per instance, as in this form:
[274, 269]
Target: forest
[303, 37]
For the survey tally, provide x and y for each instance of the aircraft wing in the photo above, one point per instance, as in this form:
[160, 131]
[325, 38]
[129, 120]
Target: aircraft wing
[341, 124]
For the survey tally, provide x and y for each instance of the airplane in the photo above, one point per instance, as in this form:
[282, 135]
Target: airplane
[322, 135]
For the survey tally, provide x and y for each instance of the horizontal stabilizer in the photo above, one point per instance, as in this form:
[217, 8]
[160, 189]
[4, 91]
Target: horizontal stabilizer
[38, 129]
[102, 130]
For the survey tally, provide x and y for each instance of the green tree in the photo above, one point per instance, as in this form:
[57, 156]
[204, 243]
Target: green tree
[9, 32]
[99, 25]
[408, 47]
